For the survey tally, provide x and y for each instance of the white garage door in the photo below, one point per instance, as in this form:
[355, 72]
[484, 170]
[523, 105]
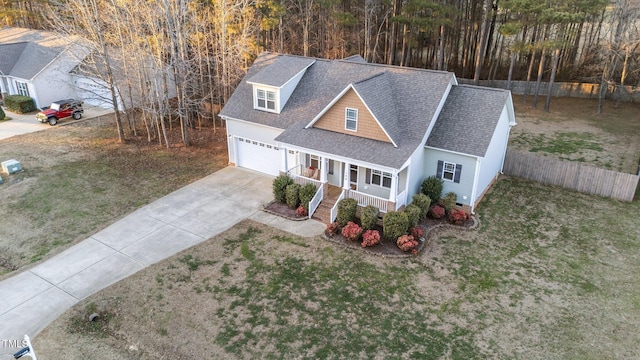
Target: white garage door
[258, 156]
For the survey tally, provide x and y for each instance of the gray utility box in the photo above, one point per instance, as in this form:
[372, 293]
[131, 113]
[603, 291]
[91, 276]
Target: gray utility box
[11, 166]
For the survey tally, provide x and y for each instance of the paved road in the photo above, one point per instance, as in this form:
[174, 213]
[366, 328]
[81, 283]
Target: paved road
[30, 300]
[27, 123]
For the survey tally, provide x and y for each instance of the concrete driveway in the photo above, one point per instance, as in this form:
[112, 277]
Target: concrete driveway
[32, 299]
[27, 123]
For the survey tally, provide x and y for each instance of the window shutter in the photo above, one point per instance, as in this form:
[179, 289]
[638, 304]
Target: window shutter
[440, 166]
[368, 177]
[456, 175]
[307, 160]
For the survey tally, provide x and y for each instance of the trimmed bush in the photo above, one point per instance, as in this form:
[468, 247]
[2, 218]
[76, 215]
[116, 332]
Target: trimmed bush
[20, 104]
[307, 192]
[406, 243]
[423, 202]
[432, 187]
[352, 231]
[449, 200]
[332, 228]
[292, 195]
[458, 216]
[370, 238]
[416, 232]
[2, 114]
[436, 211]
[280, 187]
[369, 217]
[301, 211]
[413, 214]
[347, 211]
[395, 224]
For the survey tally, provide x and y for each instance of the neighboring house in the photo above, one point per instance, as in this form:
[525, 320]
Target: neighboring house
[374, 132]
[41, 65]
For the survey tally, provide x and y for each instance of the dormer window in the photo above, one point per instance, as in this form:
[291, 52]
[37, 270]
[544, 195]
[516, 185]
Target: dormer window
[266, 100]
[351, 119]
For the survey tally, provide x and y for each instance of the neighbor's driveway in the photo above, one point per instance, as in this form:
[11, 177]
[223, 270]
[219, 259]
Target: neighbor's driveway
[27, 123]
[32, 299]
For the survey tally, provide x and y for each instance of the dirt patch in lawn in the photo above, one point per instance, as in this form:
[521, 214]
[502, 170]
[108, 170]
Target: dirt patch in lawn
[574, 131]
[78, 179]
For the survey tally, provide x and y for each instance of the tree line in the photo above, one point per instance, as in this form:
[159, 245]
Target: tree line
[202, 48]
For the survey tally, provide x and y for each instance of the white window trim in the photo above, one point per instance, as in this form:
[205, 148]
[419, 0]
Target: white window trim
[19, 88]
[382, 176]
[445, 171]
[346, 119]
[256, 99]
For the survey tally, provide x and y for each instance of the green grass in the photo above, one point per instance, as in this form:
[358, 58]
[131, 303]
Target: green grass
[564, 143]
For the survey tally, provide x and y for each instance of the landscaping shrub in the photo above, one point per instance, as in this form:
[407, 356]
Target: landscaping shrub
[352, 231]
[436, 211]
[332, 228]
[280, 187]
[307, 192]
[301, 211]
[416, 232]
[432, 187]
[347, 211]
[370, 238]
[458, 216]
[449, 200]
[395, 224]
[20, 104]
[369, 217]
[423, 202]
[2, 114]
[413, 214]
[407, 243]
[292, 195]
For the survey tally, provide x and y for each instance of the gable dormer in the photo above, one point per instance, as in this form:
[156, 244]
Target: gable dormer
[273, 86]
[365, 108]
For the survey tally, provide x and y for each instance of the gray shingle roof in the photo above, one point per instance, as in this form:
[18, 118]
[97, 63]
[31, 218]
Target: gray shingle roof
[282, 70]
[25, 52]
[416, 94]
[376, 93]
[468, 119]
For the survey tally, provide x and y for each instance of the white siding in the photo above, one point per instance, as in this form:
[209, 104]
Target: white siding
[55, 82]
[492, 162]
[465, 187]
[288, 88]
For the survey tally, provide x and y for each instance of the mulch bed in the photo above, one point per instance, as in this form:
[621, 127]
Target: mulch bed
[385, 248]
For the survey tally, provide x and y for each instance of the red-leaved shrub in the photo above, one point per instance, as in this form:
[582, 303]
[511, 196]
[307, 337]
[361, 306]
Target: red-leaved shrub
[416, 232]
[407, 243]
[436, 211]
[332, 228]
[370, 238]
[301, 211]
[458, 216]
[351, 231]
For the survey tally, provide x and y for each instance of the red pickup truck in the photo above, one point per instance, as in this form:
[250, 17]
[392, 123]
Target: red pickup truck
[59, 110]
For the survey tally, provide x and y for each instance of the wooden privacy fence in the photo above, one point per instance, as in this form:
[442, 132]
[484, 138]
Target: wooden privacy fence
[571, 175]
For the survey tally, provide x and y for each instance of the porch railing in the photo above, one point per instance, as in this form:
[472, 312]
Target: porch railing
[366, 199]
[401, 199]
[317, 198]
[334, 209]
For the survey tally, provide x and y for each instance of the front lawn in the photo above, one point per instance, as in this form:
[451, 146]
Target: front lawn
[550, 274]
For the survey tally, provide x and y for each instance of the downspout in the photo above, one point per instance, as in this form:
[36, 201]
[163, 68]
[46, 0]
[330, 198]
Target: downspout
[475, 185]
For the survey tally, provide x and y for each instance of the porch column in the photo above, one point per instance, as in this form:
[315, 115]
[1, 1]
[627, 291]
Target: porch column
[393, 192]
[284, 167]
[346, 176]
[323, 173]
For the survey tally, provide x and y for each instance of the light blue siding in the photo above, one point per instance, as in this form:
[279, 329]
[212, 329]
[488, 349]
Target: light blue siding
[491, 164]
[464, 189]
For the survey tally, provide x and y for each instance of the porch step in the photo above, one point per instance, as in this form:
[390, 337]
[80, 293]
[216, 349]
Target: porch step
[323, 212]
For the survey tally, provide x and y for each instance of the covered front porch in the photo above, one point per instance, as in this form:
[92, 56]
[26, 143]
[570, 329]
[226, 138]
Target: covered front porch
[338, 178]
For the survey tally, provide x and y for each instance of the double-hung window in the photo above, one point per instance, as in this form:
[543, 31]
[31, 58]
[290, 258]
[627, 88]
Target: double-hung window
[449, 171]
[266, 99]
[22, 88]
[351, 119]
[381, 178]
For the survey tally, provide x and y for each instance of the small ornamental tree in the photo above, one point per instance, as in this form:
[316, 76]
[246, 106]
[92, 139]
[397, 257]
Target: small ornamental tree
[347, 211]
[292, 195]
[307, 192]
[370, 238]
[352, 231]
[413, 214]
[449, 200]
[395, 224]
[280, 186]
[423, 202]
[369, 217]
[432, 187]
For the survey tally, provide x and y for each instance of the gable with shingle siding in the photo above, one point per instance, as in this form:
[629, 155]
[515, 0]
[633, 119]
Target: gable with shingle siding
[334, 119]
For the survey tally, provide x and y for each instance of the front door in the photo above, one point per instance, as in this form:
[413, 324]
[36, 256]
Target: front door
[353, 177]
